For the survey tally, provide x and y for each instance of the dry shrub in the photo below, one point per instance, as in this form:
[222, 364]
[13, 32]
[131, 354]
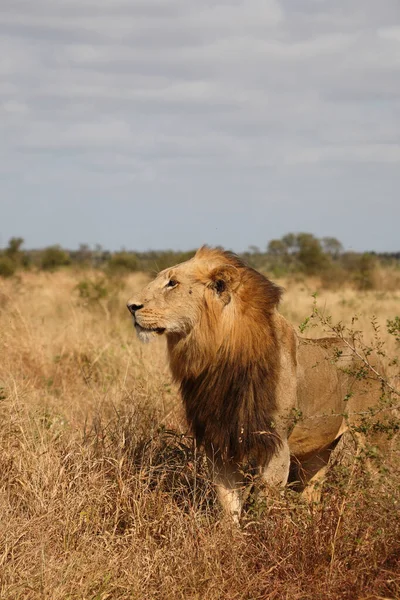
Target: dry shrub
[370, 275]
[387, 279]
[103, 495]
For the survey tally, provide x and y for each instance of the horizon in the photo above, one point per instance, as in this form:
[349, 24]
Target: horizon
[251, 249]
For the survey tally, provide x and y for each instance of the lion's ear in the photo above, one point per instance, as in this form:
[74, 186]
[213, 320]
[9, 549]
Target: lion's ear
[224, 280]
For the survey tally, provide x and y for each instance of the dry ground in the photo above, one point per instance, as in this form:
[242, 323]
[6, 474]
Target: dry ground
[102, 496]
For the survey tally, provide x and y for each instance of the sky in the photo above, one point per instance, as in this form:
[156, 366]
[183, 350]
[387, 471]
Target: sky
[154, 124]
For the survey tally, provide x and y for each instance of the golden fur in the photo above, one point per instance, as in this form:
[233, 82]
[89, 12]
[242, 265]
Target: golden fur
[242, 371]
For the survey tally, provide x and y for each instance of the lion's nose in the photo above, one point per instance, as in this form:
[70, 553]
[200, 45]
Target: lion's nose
[132, 307]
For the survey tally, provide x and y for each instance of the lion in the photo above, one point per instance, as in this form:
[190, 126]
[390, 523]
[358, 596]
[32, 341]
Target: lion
[256, 395]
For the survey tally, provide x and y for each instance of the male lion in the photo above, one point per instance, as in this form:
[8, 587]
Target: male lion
[244, 375]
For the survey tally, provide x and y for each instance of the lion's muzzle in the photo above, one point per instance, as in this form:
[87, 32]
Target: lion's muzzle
[144, 329]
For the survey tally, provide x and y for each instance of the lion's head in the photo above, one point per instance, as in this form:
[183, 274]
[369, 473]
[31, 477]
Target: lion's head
[216, 313]
[213, 285]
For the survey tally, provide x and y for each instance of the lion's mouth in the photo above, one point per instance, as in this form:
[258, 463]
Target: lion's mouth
[140, 328]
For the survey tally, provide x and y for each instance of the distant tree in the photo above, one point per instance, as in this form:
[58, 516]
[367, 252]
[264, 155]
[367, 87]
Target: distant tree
[14, 257]
[99, 255]
[14, 247]
[310, 254]
[54, 257]
[332, 246]
[277, 248]
[83, 255]
[290, 240]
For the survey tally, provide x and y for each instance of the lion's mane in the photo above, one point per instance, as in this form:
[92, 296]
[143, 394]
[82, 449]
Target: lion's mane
[228, 369]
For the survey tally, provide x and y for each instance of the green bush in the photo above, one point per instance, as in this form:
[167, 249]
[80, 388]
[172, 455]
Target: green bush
[364, 276]
[393, 327]
[98, 292]
[122, 262]
[7, 266]
[54, 257]
[92, 291]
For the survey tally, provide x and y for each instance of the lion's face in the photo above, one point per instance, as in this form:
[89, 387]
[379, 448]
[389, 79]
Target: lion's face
[169, 304]
[175, 300]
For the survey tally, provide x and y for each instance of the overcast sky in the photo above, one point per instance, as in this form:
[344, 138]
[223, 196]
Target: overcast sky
[172, 123]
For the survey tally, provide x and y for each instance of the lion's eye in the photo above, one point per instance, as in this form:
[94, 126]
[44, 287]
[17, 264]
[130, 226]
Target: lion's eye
[172, 283]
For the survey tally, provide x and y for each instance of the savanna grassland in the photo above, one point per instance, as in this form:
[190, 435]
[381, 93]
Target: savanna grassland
[102, 495]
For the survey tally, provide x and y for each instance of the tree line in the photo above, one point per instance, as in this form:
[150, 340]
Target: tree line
[293, 253]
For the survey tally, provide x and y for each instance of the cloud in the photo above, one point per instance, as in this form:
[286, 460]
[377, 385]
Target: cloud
[96, 94]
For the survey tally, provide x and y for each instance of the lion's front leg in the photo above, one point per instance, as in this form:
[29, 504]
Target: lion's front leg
[229, 486]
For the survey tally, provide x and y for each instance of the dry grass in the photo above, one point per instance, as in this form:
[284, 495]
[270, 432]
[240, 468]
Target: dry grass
[101, 497]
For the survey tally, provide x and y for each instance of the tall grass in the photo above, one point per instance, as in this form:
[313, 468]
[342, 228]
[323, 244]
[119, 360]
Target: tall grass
[102, 494]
